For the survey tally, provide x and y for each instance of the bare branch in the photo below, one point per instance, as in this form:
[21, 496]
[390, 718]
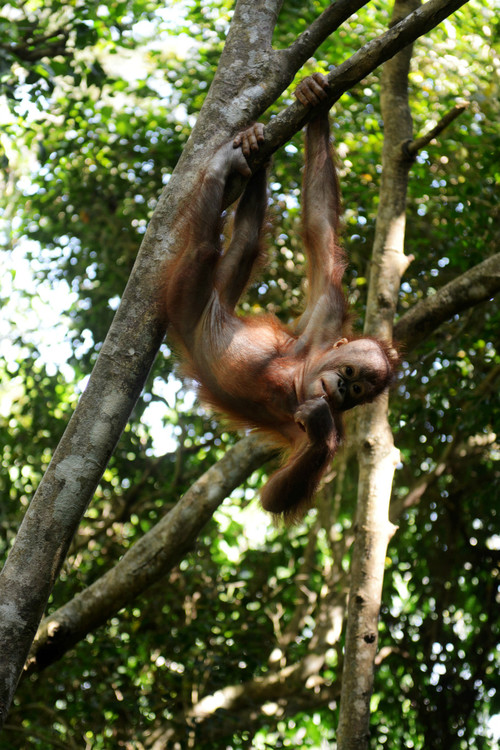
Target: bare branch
[329, 21]
[474, 286]
[413, 147]
[150, 558]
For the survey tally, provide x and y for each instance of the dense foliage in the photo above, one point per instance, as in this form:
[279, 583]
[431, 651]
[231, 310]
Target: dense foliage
[97, 103]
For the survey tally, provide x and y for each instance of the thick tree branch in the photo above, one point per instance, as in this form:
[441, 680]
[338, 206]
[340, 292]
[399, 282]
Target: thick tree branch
[150, 558]
[471, 288]
[255, 22]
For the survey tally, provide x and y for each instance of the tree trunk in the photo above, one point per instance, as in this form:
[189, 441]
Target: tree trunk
[376, 452]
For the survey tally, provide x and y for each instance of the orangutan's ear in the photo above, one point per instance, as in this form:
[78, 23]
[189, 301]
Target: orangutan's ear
[340, 342]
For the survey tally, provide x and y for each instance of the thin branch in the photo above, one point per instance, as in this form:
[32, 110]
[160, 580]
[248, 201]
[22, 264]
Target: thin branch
[329, 21]
[32, 48]
[379, 50]
[476, 285]
[413, 147]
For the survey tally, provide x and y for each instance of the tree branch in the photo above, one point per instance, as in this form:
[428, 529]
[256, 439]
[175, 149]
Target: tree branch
[377, 455]
[241, 705]
[157, 552]
[476, 285]
[413, 147]
[329, 21]
[32, 48]
[292, 119]
[255, 22]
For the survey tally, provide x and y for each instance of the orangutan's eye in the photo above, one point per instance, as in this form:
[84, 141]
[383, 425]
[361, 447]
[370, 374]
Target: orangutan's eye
[357, 390]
